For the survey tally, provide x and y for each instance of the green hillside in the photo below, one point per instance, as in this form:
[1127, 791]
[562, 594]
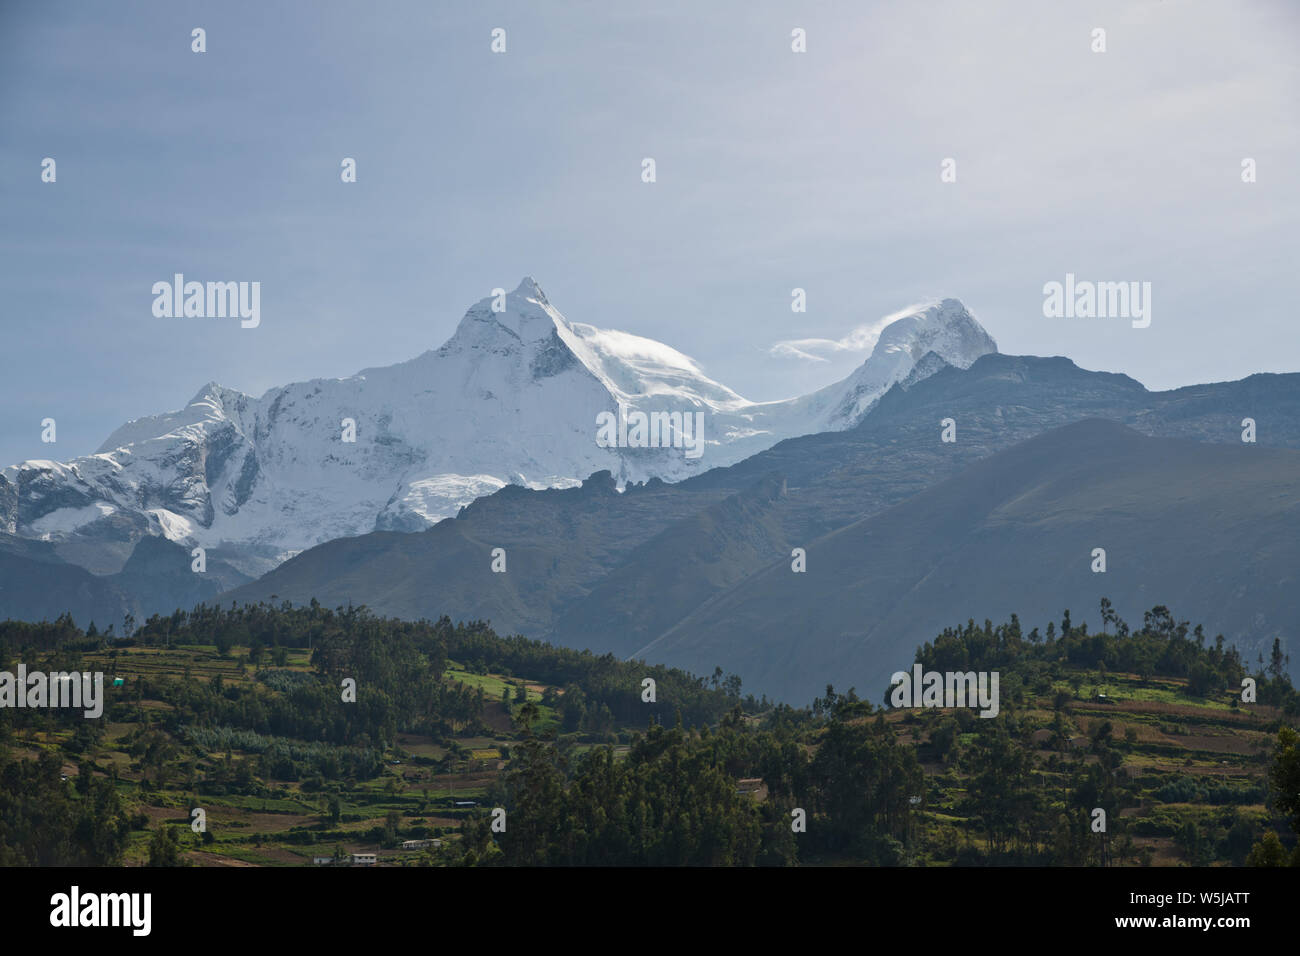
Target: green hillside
[241, 712]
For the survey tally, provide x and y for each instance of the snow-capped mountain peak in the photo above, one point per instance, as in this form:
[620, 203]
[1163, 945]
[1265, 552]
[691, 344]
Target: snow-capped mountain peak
[514, 396]
[524, 315]
[945, 328]
[529, 289]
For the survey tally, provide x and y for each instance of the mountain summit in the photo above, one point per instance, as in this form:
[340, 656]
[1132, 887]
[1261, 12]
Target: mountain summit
[946, 330]
[513, 397]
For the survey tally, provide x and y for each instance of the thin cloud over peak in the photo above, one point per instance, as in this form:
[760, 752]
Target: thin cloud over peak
[863, 338]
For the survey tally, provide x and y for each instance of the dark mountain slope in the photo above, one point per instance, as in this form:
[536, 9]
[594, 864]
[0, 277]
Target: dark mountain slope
[158, 578]
[1212, 531]
[680, 568]
[838, 477]
[558, 545]
[36, 584]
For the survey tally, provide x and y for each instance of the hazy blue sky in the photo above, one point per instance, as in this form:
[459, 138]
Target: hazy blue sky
[775, 170]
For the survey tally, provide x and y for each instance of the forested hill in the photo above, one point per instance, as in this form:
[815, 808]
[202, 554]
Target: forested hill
[245, 713]
[400, 668]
